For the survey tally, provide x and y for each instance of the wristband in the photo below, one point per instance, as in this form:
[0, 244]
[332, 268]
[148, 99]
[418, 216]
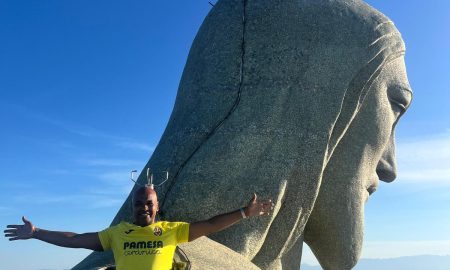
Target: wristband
[242, 213]
[34, 231]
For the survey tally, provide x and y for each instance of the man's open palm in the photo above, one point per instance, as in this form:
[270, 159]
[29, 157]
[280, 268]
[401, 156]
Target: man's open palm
[18, 232]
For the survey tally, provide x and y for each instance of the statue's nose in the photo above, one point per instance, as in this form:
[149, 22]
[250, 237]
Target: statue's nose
[387, 166]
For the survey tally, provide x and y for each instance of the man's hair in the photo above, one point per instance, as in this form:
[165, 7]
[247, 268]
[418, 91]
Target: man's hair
[142, 189]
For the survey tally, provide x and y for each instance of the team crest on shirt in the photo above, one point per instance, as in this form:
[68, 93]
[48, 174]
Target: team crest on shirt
[157, 231]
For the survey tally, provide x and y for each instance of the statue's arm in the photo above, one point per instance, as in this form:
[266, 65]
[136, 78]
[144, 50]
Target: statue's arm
[62, 239]
[221, 222]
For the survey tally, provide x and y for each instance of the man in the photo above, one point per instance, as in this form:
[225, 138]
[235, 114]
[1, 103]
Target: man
[145, 244]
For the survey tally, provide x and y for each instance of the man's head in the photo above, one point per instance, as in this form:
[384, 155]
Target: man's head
[145, 206]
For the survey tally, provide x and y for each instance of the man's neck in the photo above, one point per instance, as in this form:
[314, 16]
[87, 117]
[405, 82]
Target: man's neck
[144, 224]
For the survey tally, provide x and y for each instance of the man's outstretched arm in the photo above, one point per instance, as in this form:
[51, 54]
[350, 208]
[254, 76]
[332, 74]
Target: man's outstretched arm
[221, 222]
[62, 239]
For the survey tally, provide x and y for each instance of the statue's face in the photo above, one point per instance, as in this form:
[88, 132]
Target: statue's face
[364, 155]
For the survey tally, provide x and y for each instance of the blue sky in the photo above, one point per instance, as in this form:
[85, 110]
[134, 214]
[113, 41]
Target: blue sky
[87, 87]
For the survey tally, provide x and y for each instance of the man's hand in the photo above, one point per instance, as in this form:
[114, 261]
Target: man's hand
[62, 239]
[20, 232]
[258, 208]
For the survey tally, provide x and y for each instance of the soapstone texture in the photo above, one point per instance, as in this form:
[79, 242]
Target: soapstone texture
[295, 100]
[206, 254]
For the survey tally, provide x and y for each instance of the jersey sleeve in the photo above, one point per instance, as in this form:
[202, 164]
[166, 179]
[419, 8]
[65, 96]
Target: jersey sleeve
[183, 232]
[105, 238]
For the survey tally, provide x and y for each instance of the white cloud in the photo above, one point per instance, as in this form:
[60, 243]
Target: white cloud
[91, 200]
[45, 198]
[135, 146]
[115, 177]
[111, 162]
[106, 202]
[82, 130]
[425, 159]
[108, 188]
[116, 183]
[116, 191]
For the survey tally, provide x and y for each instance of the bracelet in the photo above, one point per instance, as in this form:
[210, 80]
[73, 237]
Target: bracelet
[242, 213]
[34, 231]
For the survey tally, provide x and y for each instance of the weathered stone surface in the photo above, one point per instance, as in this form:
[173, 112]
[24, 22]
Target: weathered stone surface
[206, 254]
[296, 101]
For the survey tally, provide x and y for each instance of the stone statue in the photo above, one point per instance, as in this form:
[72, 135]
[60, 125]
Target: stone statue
[296, 100]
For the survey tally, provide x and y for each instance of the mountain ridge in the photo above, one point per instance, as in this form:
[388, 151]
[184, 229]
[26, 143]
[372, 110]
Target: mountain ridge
[420, 262]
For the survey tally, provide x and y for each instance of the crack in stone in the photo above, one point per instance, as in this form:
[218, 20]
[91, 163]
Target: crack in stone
[220, 123]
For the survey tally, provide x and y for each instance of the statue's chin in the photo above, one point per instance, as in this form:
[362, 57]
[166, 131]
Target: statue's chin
[337, 245]
[335, 228]
[348, 260]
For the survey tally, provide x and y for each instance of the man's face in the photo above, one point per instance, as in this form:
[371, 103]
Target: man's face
[365, 155]
[145, 206]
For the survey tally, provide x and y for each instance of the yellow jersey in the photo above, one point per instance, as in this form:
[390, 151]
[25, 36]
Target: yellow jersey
[144, 248]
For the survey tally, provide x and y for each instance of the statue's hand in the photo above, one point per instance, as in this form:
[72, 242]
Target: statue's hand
[20, 232]
[258, 207]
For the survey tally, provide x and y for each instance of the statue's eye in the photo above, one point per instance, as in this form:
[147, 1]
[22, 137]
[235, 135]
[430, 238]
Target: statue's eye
[400, 98]
[398, 106]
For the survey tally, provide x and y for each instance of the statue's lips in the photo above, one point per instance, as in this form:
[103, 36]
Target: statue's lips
[371, 189]
[372, 184]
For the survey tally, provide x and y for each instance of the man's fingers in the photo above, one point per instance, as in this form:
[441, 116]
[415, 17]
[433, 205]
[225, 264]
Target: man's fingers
[254, 197]
[25, 220]
[10, 231]
[14, 238]
[10, 235]
[14, 226]
[268, 204]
